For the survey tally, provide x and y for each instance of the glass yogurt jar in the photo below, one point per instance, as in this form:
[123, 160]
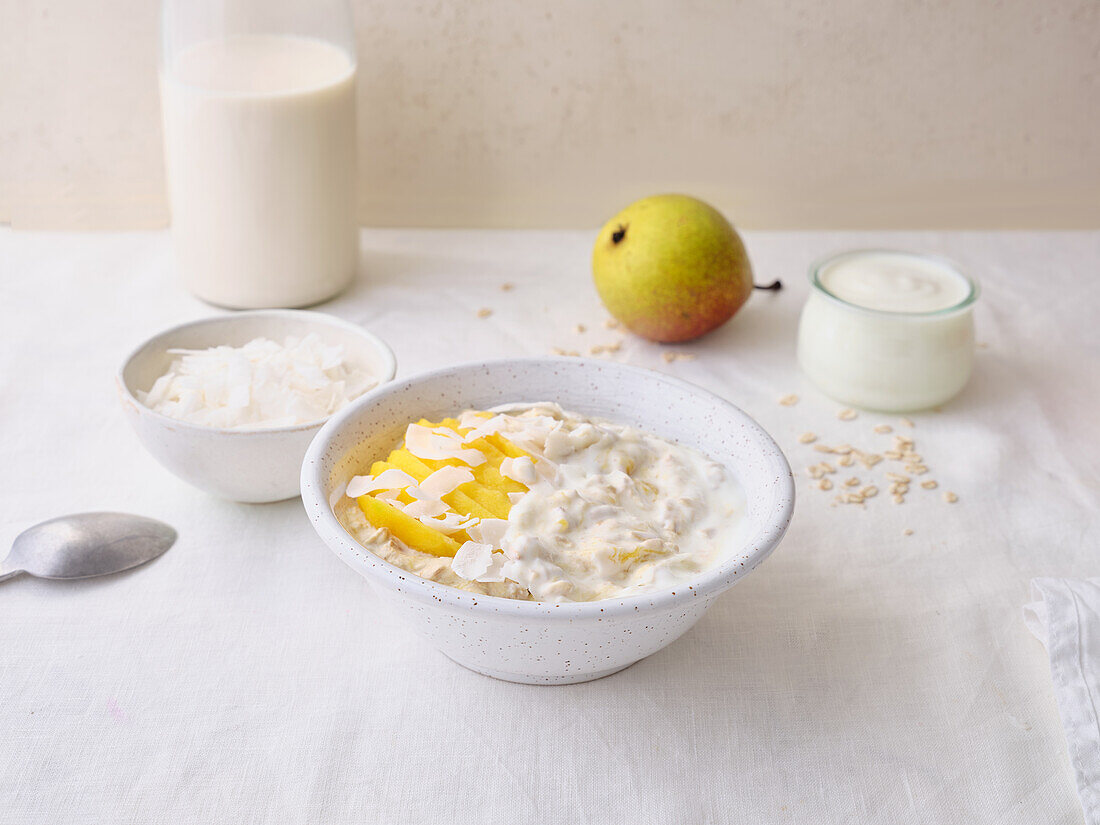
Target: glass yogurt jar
[888, 330]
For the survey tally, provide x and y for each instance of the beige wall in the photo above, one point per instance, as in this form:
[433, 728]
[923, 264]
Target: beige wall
[495, 113]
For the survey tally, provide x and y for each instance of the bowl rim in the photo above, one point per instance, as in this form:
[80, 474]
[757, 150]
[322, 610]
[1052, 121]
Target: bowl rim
[321, 318]
[708, 584]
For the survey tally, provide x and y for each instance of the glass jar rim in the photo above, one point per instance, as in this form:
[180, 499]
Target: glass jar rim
[972, 294]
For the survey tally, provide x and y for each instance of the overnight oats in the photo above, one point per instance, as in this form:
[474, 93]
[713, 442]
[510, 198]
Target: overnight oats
[529, 501]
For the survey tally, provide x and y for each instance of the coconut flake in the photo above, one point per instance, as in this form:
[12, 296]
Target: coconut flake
[444, 481]
[451, 522]
[489, 531]
[520, 469]
[477, 562]
[391, 479]
[422, 508]
[261, 384]
[439, 444]
[481, 427]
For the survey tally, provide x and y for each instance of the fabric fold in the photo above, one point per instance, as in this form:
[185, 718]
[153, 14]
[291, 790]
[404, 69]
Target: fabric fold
[1065, 616]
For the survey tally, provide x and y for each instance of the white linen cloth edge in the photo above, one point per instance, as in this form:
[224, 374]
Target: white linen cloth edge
[1065, 616]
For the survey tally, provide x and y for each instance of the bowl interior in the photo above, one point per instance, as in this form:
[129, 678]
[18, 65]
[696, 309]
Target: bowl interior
[361, 349]
[666, 406]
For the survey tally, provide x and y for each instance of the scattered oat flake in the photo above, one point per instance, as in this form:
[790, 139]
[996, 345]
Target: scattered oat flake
[884, 428]
[611, 323]
[807, 438]
[484, 312]
[899, 498]
[852, 482]
[788, 400]
[869, 492]
[671, 355]
[929, 485]
[614, 347]
[821, 448]
[950, 497]
[508, 286]
[827, 467]
[596, 350]
[905, 422]
[907, 532]
[580, 329]
[845, 461]
[825, 484]
[847, 415]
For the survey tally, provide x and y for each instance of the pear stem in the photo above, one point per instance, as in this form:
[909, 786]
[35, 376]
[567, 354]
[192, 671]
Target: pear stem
[774, 286]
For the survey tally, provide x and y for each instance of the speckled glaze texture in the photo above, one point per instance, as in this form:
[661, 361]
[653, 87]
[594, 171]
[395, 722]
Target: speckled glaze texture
[247, 465]
[542, 642]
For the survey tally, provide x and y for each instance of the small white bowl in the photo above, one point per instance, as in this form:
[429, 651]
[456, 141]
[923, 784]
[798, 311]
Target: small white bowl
[543, 642]
[249, 465]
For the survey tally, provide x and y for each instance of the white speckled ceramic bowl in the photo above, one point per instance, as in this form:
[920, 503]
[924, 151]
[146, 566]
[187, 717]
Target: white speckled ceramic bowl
[251, 464]
[542, 642]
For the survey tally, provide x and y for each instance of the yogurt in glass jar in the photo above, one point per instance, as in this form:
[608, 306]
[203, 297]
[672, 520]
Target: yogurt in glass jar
[888, 330]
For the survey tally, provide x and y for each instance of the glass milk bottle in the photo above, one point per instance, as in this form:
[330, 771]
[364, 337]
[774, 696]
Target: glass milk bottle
[258, 100]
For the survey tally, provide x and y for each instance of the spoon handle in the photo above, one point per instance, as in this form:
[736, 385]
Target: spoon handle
[11, 574]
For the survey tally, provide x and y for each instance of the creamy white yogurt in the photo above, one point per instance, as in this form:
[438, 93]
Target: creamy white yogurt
[894, 282]
[613, 510]
[887, 330]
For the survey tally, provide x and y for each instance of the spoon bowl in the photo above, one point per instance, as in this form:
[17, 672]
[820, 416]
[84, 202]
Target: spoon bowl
[84, 545]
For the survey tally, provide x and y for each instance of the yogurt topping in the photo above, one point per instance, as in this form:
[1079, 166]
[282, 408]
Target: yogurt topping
[608, 511]
[894, 282]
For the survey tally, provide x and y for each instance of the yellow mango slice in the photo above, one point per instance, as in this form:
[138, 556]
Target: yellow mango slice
[488, 488]
[412, 532]
[495, 501]
[506, 446]
[488, 473]
[381, 466]
[458, 500]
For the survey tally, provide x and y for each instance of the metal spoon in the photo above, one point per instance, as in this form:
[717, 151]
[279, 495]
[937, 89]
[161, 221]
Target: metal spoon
[86, 544]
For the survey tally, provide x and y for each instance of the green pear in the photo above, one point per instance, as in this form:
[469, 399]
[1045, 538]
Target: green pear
[671, 268]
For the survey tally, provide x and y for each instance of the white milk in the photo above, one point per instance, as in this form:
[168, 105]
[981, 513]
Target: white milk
[260, 148]
[888, 330]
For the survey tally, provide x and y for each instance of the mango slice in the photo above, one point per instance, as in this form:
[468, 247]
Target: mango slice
[484, 497]
[489, 472]
[506, 446]
[411, 531]
[420, 470]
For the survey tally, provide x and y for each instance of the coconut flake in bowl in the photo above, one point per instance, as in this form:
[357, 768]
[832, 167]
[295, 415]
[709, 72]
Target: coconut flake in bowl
[233, 415]
[261, 384]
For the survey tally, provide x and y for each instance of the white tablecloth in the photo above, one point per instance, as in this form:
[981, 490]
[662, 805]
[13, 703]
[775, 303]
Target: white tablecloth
[248, 676]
